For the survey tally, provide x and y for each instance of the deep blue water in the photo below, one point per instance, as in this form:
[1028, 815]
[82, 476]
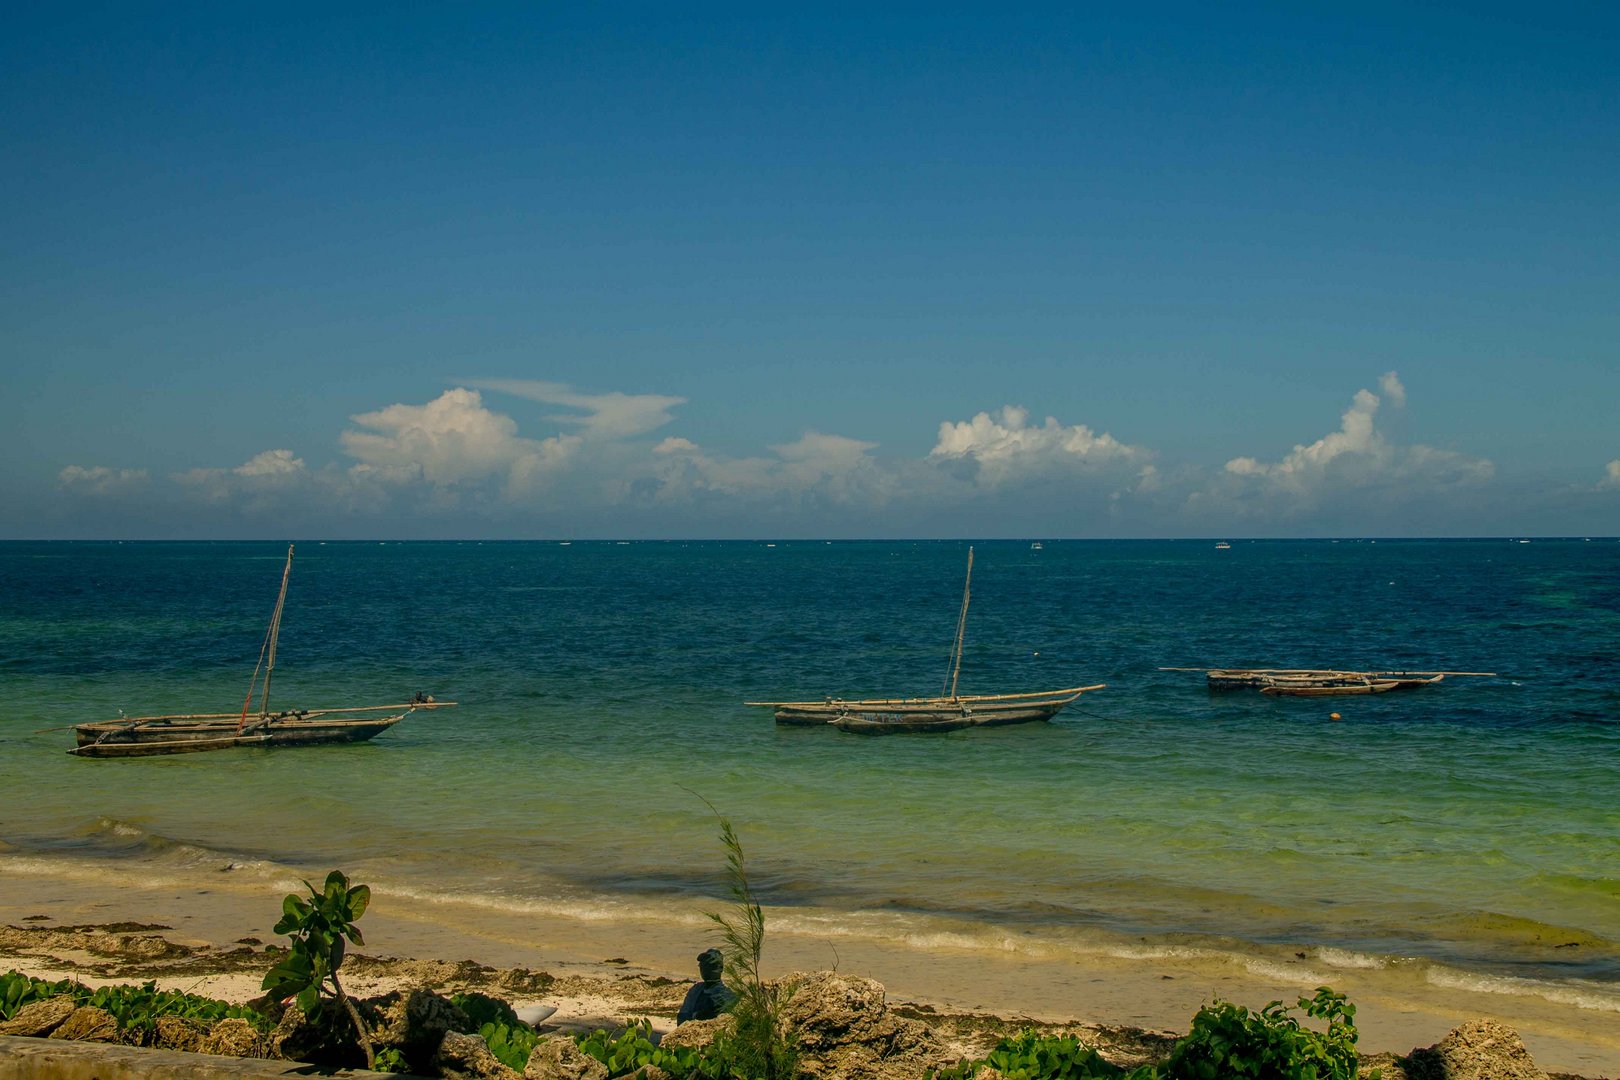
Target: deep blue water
[1475, 823]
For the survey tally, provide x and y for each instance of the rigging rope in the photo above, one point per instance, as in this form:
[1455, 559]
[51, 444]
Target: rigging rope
[949, 690]
[268, 649]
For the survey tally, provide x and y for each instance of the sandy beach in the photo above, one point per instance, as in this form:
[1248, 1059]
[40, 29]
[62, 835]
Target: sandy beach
[602, 972]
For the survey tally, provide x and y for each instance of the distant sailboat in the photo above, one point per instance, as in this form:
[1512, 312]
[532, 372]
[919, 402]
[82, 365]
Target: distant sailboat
[146, 736]
[948, 712]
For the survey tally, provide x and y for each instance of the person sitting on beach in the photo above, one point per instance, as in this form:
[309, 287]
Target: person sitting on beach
[710, 997]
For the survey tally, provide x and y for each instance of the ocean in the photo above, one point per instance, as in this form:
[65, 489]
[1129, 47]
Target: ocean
[1466, 834]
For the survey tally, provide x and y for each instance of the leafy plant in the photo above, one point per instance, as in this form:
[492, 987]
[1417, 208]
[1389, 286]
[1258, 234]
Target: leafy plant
[758, 1046]
[391, 1059]
[508, 1038]
[510, 1043]
[137, 1009]
[17, 990]
[1229, 1040]
[633, 1049]
[1030, 1055]
[319, 928]
[482, 1009]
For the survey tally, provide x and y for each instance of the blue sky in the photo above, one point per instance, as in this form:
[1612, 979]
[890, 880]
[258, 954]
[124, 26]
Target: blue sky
[511, 271]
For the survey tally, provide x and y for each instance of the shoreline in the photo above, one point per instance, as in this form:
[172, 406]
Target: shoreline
[617, 966]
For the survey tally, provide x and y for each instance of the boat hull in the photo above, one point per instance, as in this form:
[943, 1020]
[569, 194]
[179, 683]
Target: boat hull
[120, 739]
[888, 716]
[1375, 686]
[912, 723]
[1303, 683]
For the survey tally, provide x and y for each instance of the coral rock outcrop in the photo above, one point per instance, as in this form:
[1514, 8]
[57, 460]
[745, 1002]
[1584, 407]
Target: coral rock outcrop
[558, 1057]
[39, 1018]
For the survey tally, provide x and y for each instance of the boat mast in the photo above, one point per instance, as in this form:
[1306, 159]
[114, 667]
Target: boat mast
[961, 626]
[267, 652]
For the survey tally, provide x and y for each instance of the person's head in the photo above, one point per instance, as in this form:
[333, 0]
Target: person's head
[711, 964]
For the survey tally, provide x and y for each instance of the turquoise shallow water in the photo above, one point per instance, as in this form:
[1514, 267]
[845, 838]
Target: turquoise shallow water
[1473, 826]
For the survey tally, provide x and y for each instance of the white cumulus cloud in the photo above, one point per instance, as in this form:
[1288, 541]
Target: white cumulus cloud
[1611, 475]
[1005, 448]
[263, 474]
[453, 463]
[451, 440]
[1357, 438]
[100, 480]
[1357, 457]
[1389, 384]
[271, 465]
[613, 415]
[824, 453]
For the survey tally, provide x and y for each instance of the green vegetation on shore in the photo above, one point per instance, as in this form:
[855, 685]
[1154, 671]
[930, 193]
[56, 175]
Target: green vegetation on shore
[137, 1009]
[1225, 1040]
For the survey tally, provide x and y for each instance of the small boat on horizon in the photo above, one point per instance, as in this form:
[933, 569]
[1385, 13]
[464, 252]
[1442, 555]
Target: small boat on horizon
[148, 736]
[1223, 546]
[947, 712]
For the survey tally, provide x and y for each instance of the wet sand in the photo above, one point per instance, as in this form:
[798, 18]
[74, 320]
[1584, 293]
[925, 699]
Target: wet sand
[624, 968]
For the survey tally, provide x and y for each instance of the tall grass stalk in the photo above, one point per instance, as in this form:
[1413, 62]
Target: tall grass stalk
[759, 1046]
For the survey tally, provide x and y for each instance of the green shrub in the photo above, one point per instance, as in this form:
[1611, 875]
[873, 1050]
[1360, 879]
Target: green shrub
[1229, 1040]
[17, 990]
[508, 1038]
[135, 1008]
[138, 1008]
[482, 1009]
[391, 1059]
[633, 1049]
[510, 1043]
[1029, 1055]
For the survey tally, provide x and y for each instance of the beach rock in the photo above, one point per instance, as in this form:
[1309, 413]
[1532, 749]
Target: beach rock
[326, 1039]
[1478, 1050]
[695, 1034]
[650, 1072]
[558, 1057]
[135, 946]
[845, 1031]
[414, 1023]
[178, 1033]
[88, 1024]
[233, 1037]
[467, 1057]
[523, 981]
[40, 1018]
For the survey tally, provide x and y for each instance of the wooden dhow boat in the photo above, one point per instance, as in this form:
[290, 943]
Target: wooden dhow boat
[146, 736]
[947, 712]
[1319, 682]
